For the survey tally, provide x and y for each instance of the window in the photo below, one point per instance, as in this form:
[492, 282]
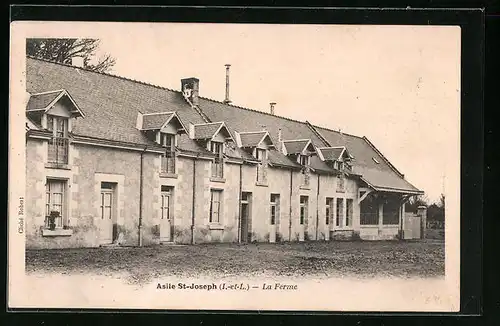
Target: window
[166, 195]
[58, 144]
[106, 206]
[303, 209]
[340, 212]
[218, 164]
[215, 200]
[328, 210]
[349, 212]
[304, 160]
[261, 154]
[390, 213]
[168, 158]
[55, 201]
[369, 211]
[275, 204]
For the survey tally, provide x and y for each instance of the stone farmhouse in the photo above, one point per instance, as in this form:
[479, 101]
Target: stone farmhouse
[110, 160]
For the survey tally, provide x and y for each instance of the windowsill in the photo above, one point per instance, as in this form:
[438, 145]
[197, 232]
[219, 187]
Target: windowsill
[305, 187]
[390, 226]
[347, 228]
[60, 166]
[262, 184]
[168, 175]
[369, 226]
[216, 226]
[216, 179]
[57, 232]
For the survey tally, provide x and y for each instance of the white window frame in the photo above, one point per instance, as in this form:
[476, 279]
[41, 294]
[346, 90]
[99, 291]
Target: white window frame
[215, 218]
[49, 202]
[329, 210]
[303, 209]
[274, 205]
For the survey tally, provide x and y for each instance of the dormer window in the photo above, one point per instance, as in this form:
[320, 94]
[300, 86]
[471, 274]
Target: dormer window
[217, 148]
[168, 158]
[162, 127]
[53, 110]
[213, 135]
[304, 160]
[261, 154]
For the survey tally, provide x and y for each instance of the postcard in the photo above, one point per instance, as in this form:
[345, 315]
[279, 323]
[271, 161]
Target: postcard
[270, 167]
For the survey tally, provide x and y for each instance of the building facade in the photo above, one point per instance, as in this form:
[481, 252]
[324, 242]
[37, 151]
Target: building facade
[115, 161]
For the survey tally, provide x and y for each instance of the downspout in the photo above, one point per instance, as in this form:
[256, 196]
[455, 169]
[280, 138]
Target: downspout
[317, 210]
[141, 195]
[290, 221]
[239, 203]
[193, 200]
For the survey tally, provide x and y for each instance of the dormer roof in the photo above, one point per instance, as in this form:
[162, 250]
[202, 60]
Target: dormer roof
[334, 153]
[158, 121]
[208, 131]
[46, 100]
[255, 138]
[298, 146]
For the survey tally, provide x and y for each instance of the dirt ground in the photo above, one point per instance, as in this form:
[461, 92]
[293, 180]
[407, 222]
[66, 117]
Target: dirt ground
[330, 259]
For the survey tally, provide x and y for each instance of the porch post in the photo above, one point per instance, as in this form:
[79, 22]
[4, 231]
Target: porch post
[422, 212]
[380, 215]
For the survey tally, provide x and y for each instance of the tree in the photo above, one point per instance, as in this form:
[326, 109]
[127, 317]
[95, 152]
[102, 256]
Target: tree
[63, 49]
[414, 202]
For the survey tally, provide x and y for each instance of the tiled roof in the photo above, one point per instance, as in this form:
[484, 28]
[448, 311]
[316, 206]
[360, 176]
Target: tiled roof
[155, 121]
[110, 103]
[331, 153]
[40, 101]
[251, 139]
[206, 131]
[381, 175]
[244, 119]
[295, 147]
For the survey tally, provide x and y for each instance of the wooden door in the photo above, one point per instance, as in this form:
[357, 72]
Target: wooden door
[166, 215]
[107, 211]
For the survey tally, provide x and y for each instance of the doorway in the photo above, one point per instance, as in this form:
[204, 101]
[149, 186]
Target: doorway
[246, 223]
[166, 212]
[107, 212]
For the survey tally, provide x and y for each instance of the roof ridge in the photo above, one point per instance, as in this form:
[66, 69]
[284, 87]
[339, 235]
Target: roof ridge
[252, 110]
[105, 74]
[158, 113]
[336, 131]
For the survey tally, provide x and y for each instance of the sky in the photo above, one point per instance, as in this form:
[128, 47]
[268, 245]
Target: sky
[397, 85]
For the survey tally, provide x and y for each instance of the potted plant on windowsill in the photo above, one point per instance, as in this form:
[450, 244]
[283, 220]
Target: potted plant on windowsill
[52, 219]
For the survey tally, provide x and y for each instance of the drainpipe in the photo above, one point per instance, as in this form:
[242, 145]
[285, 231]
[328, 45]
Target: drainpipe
[193, 199]
[317, 210]
[239, 204]
[290, 221]
[141, 195]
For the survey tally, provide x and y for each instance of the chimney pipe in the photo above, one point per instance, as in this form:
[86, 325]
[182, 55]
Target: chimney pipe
[227, 100]
[272, 104]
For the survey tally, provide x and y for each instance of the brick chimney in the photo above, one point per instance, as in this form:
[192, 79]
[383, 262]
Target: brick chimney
[77, 61]
[227, 100]
[271, 107]
[190, 88]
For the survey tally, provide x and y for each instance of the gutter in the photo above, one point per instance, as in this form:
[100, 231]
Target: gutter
[317, 210]
[141, 195]
[193, 207]
[290, 221]
[239, 204]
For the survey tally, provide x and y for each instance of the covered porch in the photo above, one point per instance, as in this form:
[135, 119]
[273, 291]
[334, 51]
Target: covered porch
[382, 216]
